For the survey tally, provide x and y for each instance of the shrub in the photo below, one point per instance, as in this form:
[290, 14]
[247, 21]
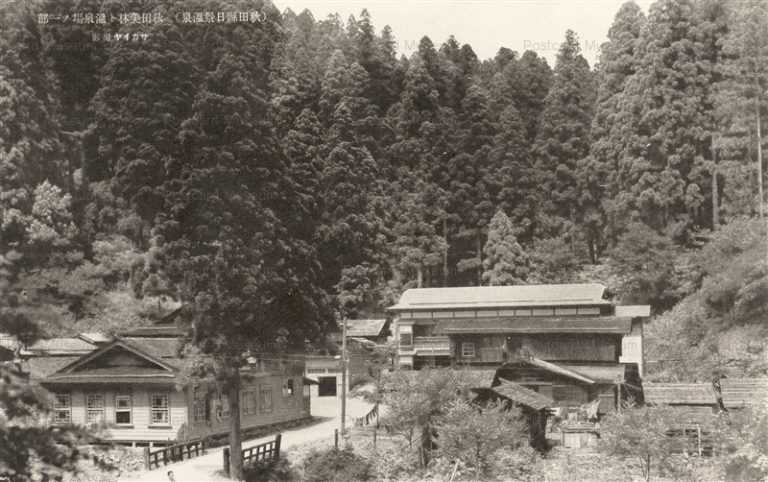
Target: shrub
[279, 470]
[338, 466]
[473, 435]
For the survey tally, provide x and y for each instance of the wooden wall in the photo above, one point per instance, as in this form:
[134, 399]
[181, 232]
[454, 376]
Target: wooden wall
[284, 407]
[181, 410]
[565, 347]
[140, 430]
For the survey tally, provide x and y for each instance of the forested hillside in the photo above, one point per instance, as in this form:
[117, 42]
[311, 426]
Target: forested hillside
[340, 172]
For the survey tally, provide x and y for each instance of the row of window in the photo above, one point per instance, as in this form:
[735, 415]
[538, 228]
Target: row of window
[159, 408]
[467, 347]
[95, 408]
[252, 400]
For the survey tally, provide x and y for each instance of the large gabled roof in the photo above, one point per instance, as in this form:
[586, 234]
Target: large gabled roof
[158, 353]
[502, 296]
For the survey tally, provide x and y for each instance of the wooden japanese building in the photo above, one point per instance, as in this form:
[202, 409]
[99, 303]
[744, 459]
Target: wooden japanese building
[568, 342]
[133, 388]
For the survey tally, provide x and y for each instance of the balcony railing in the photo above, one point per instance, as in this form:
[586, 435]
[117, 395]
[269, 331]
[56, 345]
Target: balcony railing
[431, 345]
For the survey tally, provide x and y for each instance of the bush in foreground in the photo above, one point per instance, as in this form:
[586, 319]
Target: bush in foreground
[338, 466]
[279, 470]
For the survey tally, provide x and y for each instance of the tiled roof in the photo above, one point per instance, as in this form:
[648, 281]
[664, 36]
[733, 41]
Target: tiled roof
[502, 296]
[548, 366]
[524, 396]
[478, 378]
[41, 366]
[72, 345]
[537, 324]
[371, 327]
[598, 373]
[113, 375]
[163, 348]
[740, 392]
[635, 311]
[162, 331]
[679, 393]
[95, 337]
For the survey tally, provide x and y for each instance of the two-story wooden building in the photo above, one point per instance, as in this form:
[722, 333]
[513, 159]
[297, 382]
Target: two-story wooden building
[566, 342]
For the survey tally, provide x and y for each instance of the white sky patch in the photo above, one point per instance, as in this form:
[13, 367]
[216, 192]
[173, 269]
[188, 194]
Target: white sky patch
[486, 25]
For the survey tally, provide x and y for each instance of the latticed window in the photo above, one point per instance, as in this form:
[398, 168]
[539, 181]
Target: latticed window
[123, 410]
[467, 350]
[199, 404]
[62, 408]
[288, 390]
[249, 402]
[266, 398]
[94, 408]
[223, 406]
[159, 409]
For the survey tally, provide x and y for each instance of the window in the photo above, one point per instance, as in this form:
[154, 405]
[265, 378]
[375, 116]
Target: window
[406, 339]
[288, 388]
[199, 404]
[123, 407]
[62, 408]
[159, 409]
[266, 398]
[248, 403]
[94, 408]
[467, 350]
[223, 406]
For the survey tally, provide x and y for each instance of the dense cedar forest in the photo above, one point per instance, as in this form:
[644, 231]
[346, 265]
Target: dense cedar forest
[285, 172]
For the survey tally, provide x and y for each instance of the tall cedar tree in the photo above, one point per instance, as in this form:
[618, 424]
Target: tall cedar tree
[662, 177]
[472, 182]
[505, 261]
[247, 281]
[137, 141]
[563, 139]
[516, 175]
[618, 62]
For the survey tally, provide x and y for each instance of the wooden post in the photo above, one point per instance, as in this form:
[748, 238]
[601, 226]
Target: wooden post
[374, 437]
[226, 461]
[336, 439]
[278, 438]
[698, 438]
[146, 458]
[343, 373]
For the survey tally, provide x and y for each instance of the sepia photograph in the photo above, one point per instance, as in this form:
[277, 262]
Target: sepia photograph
[383, 241]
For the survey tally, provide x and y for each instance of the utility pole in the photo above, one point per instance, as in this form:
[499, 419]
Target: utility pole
[343, 373]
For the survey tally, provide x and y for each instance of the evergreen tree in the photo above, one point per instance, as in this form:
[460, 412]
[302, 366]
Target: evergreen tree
[741, 101]
[563, 138]
[662, 176]
[247, 281]
[618, 62]
[137, 140]
[31, 146]
[472, 181]
[505, 261]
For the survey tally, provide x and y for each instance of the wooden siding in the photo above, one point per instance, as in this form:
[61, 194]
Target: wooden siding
[140, 428]
[181, 410]
[284, 408]
[490, 348]
[569, 347]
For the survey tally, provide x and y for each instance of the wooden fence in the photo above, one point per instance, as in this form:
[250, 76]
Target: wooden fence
[173, 453]
[266, 451]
